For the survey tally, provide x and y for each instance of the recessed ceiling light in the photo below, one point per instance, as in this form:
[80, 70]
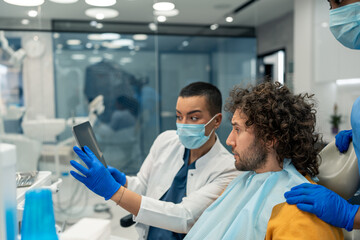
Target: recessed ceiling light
[73, 42]
[118, 43]
[140, 37]
[101, 3]
[229, 19]
[25, 21]
[214, 26]
[56, 35]
[153, 27]
[78, 57]
[88, 45]
[27, 3]
[101, 12]
[163, 6]
[104, 36]
[32, 13]
[161, 18]
[171, 13]
[64, 1]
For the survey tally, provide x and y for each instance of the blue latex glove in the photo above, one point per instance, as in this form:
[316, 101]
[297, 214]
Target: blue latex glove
[96, 177]
[117, 175]
[324, 203]
[343, 139]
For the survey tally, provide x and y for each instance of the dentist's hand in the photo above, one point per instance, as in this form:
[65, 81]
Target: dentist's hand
[324, 203]
[96, 177]
[343, 139]
[117, 175]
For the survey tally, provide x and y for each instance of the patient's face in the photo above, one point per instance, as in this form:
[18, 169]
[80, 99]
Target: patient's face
[249, 153]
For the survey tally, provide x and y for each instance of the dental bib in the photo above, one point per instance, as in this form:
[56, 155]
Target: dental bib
[244, 209]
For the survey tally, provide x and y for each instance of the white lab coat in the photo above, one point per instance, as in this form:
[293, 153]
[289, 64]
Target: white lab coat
[212, 173]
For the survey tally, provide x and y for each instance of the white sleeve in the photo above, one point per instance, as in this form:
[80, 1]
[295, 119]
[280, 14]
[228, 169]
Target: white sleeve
[139, 182]
[182, 216]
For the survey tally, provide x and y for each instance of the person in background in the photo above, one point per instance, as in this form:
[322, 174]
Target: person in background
[273, 141]
[184, 172]
[327, 205]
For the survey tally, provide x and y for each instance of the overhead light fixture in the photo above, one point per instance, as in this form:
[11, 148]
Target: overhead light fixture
[349, 81]
[214, 26]
[64, 1]
[56, 35]
[101, 3]
[171, 13]
[89, 45]
[32, 13]
[78, 57]
[102, 13]
[25, 21]
[163, 6]
[25, 3]
[153, 27]
[229, 19]
[185, 43]
[118, 43]
[104, 36]
[161, 18]
[73, 42]
[140, 37]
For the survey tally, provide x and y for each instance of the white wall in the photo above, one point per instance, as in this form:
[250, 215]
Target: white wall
[319, 61]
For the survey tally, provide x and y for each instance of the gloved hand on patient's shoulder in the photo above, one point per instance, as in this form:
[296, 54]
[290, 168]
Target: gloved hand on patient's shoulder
[343, 139]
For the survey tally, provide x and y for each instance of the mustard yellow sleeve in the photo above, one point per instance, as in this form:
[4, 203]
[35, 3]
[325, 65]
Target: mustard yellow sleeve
[288, 222]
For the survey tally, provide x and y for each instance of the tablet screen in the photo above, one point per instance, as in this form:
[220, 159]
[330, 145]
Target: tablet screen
[85, 136]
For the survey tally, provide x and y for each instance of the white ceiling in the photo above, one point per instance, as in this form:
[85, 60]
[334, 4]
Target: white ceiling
[191, 11]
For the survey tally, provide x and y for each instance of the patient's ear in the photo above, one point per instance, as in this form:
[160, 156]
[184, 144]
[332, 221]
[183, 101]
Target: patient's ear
[271, 144]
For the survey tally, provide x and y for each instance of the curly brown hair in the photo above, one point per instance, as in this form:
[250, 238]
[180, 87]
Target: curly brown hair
[279, 115]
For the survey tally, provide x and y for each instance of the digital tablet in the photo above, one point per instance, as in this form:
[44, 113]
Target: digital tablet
[85, 136]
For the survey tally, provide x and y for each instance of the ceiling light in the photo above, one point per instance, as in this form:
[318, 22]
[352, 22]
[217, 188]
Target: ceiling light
[171, 13]
[101, 12]
[118, 43]
[95, 59]
[161, 18]
[64, 1]
[99, 25]
[101, 3]
[140, 37]
[99, 16]
[78, 57]
[25, 21]
[73, 42]
[163, 6]
[153, 27]
[32, 13]
[104, 36]
[27, 3]
[56, 35]
[185, 43]
[214, 26]
[88, 45]
[229, 19]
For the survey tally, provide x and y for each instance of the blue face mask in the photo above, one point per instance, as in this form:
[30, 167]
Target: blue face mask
[345, 25]
[192, 136]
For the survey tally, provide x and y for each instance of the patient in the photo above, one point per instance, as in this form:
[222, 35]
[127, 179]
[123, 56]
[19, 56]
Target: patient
[273, 141]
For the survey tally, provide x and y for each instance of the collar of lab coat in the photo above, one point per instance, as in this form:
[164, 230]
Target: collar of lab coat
[200, 162]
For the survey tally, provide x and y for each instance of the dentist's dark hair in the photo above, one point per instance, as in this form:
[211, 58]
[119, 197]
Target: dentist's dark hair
[211, 92]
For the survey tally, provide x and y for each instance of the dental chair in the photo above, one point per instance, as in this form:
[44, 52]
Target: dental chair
[339, 172]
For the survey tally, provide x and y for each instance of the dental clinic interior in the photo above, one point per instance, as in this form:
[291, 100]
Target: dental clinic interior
[120, 65]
